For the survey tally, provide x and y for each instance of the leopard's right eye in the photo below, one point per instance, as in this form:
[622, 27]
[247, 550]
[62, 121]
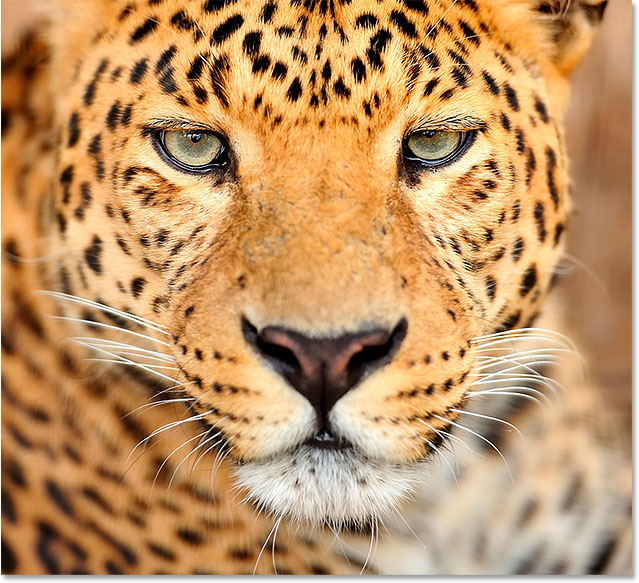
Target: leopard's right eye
[197, 151]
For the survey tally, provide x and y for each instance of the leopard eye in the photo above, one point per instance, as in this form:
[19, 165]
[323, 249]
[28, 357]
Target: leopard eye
[435, 147]
[195, 150]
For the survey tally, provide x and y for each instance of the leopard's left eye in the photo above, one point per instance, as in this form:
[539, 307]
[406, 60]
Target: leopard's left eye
[435, 148]
[193, 150]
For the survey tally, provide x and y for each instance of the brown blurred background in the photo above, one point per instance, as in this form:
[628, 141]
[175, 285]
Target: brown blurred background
[597, 283]
[597, 290]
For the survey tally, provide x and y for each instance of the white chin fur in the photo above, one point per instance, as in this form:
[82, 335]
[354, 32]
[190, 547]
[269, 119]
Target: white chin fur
[314, 485]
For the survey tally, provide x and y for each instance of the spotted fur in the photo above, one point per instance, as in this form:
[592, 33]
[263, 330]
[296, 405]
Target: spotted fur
[318, 224]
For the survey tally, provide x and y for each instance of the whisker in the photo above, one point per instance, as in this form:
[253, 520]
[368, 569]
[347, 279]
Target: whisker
[147, 406]
[108, 326]
[480, 437]
[450, 436]
[104, 308]
[123, 360]
[166, 459]
[166, 427]
[462, 412]
[148, 367]
[103, 342]
[513, 394]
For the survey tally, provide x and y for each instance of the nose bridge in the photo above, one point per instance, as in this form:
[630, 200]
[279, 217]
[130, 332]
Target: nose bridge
[318, 236]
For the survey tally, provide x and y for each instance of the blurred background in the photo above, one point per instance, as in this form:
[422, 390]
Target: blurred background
[597, 286]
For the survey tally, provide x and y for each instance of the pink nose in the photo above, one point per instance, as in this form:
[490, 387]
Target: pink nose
[324, 369]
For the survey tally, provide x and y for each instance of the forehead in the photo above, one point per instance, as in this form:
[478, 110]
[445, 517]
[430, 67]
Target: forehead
[346, 56]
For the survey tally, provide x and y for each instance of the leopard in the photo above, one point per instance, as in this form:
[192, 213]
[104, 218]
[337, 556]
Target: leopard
[273, 275]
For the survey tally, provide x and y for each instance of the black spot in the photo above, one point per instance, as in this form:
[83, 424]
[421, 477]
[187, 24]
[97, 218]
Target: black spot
[359, 70]
[509, 323]
[92, 255]
[469, 33]
[341, 89]
[400, 21]
[602, 556]
[251, 43]
[59, 497]
[511, 97]
[89, 92]
[295, 90]
[183, 22]
[261, 64]
[528, 281]
[518, 247]
[541, 221]
[366, 21]
[491, 287]
[138, 71]
[541, 110]
[113, 116]
[125, 118]
[417, 6]
[447, 94]
[268, 11]
[149, 25]
[74, 129]
[505, 122]
[161, 551]
[490, 82]
[551, 160]
[8, 559]
[165, 59]
[559, 229]
[112, 569]
[189, 311]
[94, 496]
[430, 86]
[190, 536]
[215, 5]
[460, 77]
[8, 507]
[285, 31]
[516, 210]
[521, 141]
[279, 71]
[377, 45]
[137, 286]
[227, 29]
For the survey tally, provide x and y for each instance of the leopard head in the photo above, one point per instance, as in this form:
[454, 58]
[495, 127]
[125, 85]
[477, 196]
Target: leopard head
[323, 205]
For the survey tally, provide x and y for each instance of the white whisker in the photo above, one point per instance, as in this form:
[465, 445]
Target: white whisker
[497, 419]
[486, 440]
[104, 308]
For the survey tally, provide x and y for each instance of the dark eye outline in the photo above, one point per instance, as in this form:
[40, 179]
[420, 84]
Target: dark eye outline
[218, 163]
[467, 139]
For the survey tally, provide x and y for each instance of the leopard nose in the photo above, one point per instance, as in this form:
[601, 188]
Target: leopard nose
[323, 370]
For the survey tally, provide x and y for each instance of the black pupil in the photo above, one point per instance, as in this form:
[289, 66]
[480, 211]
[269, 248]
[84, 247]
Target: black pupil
[195, 138]
[430, 133]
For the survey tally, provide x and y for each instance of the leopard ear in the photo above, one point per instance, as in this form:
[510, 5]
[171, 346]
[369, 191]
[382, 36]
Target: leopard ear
[568, 27]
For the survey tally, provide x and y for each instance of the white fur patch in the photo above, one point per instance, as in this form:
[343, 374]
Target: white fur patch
[315, 485]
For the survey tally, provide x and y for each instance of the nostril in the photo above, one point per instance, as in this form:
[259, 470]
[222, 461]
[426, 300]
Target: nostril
[280, 356]
[376, 355]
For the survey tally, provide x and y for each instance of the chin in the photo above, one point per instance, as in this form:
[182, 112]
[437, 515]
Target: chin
[328, 486]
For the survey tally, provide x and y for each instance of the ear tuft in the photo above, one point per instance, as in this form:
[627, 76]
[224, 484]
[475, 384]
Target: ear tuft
[570, 26]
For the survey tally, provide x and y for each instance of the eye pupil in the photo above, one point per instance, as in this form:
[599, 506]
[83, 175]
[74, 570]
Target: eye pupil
[195, 138]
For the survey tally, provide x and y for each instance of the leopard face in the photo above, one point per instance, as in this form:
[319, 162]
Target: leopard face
[317, 273]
